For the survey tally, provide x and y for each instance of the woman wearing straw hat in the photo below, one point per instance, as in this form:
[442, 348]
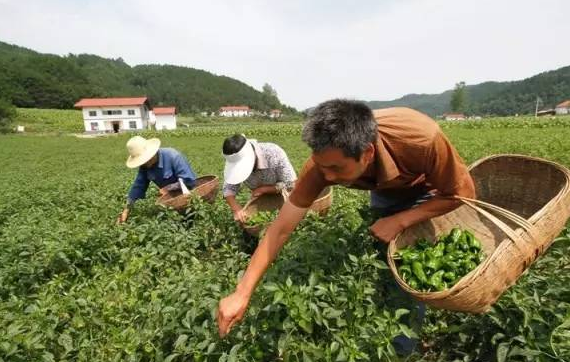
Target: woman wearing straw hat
[163, 166]
[263, 167]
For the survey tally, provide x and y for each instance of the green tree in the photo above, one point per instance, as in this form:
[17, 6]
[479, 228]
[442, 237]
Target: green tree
[269, 91]
[458, 101]
[7, 114]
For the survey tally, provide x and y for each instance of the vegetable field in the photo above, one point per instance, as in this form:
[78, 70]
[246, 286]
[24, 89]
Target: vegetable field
[76, 287]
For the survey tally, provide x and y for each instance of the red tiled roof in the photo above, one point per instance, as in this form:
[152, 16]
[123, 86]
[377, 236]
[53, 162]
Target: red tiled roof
[111, 102]
[234, 108]
[164, 110]
[275, 111]
[564, 104]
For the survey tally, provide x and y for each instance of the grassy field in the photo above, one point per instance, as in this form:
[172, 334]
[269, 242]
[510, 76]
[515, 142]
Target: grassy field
[76, 287]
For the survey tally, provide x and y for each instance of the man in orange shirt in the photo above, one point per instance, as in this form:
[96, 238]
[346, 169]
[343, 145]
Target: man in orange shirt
[399, 154]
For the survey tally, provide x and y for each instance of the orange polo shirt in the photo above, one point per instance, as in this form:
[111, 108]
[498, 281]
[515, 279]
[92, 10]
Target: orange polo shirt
[411, 151]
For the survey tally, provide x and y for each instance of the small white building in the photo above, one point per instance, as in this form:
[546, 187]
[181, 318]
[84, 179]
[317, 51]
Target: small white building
[164, 118]
[235, 111]
[563, 108]
[454, 116]
[275, 113]
[114, 115]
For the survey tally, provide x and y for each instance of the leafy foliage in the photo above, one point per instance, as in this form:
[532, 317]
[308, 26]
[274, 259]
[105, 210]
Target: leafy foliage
[75, 286]
[494, 98]
[7, 114]
[31, 79]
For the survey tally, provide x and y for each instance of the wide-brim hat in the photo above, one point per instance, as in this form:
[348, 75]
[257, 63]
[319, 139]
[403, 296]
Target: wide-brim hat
[141, 150]
[239, 165]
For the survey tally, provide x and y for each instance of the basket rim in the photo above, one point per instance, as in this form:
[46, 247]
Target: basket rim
[162, 201]
[565, 189]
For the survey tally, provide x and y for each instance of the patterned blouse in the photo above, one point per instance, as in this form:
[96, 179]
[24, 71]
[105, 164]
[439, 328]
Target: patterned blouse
[273, 168]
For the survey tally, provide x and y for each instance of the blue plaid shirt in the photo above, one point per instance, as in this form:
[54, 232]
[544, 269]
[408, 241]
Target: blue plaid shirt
[170, 167]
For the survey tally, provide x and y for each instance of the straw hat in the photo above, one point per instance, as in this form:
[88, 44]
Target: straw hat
[141, 150]
[239, 165]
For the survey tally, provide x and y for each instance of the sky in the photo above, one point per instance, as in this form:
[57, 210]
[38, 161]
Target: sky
[309, 50]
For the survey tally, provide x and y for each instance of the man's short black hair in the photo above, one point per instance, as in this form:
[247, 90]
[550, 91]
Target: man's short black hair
[340, 123]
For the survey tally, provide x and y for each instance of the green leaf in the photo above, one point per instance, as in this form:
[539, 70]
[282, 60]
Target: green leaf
[307, 326]
[401, 312]
[180, 343]
[334, 346]
[171, 357]
[502, 351]
[65, 341]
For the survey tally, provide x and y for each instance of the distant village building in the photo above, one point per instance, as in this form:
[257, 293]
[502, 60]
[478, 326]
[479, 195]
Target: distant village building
[546, 112]
[563, 108]
[102, 115]
[454, 116]
[275, 113]
[164, 118]
[235, 111]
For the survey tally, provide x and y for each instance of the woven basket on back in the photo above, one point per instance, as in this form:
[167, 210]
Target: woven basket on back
[271, 202]
[523, 204]
[206, 188]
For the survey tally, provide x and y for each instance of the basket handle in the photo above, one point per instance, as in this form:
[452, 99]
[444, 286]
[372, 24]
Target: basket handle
[481, 206]
[183, 187]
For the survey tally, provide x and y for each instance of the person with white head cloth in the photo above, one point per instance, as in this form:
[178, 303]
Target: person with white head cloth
[165, 167]
[263, 167]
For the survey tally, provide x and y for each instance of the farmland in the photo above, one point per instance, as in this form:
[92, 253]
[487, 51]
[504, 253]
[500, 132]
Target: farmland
[76, 287]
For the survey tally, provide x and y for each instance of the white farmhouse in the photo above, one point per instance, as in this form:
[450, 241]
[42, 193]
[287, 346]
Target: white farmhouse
[164, 117]
[102, 115]
[275, 113]
[235, 111]
[454, 116]
[563, 108]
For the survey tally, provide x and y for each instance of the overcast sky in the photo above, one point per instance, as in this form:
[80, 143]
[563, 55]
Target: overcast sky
[309, 50]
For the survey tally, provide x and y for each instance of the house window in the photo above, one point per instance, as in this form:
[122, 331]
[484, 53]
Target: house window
[133, 124]
[94, 126]
[131, 112]
[92, 113]
[113, 112]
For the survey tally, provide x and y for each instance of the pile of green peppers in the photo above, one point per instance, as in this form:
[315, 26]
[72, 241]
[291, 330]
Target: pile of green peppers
[429, 267]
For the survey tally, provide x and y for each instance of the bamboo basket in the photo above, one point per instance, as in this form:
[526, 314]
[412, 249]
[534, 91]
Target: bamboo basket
[523, 204]
[271, 202]
[206, 188]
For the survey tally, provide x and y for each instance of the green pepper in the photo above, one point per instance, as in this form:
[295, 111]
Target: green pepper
[418, 271]
[457, 255]
[436, 280]
[455, 235]
[471, 265]
[432, 254]
[451, 265]
[409, 256]
[440, 248]
[464, 240]
[449, 248]
[433, 264]
[474, 244]
[413, 283]
[449, 276]
[480, 257]
[405, 271]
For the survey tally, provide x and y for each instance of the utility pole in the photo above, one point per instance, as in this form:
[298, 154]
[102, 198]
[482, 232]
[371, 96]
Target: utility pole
[536, 108]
